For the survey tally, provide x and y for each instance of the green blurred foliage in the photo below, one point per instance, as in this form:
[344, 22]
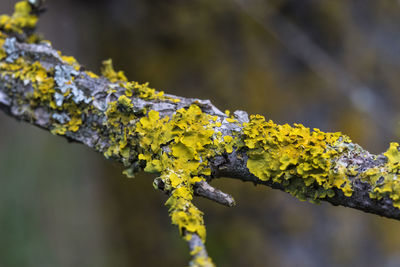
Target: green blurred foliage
[64, 205]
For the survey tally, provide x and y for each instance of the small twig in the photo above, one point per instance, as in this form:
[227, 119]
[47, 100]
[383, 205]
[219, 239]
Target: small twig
[203, 189]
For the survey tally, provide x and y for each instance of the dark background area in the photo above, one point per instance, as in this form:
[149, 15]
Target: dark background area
[332, 65]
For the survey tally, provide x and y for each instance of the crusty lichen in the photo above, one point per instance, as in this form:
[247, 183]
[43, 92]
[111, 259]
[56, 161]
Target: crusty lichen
[384, 179]
[301, 160]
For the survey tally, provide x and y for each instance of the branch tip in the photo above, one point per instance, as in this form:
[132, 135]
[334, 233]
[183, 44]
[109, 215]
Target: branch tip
[205, 190]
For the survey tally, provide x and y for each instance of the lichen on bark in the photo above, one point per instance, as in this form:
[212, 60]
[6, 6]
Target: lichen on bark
[185, 142]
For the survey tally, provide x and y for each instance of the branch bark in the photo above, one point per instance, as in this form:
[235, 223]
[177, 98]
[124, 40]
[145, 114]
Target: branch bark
[15, 93]
[188, 142]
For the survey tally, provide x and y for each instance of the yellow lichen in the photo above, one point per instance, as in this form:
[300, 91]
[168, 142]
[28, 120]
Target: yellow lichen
[120, 118]
[20, 20]
[385, 179]
[58, 129]
[74, 123]
[91, 74]
[299, 159]
[203, 262]
[229, 143]
[189, 135]
[108, 71]
[70, 60]
[231, 120]
[3, 53]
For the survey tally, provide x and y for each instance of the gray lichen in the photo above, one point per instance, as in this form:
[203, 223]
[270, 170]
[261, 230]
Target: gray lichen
[63, 78]
[12, 52]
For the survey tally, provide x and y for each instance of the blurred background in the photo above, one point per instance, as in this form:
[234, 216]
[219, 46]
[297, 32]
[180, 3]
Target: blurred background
[332, 65]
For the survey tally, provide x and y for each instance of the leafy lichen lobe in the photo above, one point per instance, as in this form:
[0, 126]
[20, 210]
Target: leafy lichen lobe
[299, 159]
[384, 179]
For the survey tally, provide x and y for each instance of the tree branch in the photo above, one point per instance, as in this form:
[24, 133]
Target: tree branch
[187, 142]
[203, 189]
